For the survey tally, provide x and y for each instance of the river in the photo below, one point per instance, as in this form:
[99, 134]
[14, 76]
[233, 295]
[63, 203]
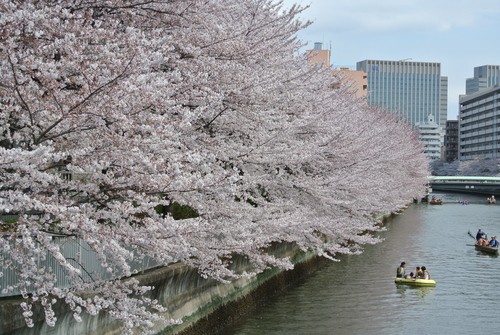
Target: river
[358, 295]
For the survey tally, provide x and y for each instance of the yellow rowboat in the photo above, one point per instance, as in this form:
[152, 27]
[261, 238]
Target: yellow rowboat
[415, 282]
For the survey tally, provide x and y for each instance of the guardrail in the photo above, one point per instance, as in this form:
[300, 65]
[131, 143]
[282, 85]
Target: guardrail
[77, 252]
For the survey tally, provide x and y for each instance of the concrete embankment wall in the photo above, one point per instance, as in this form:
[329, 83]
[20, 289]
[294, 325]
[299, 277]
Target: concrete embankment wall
[204, 305]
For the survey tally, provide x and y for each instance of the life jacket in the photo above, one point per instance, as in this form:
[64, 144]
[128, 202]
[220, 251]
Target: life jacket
[418, 274]
[483, 241]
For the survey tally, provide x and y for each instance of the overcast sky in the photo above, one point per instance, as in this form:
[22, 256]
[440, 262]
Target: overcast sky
[459, 34]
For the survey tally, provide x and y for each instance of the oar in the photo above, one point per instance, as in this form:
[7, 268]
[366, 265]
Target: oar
[472, 236]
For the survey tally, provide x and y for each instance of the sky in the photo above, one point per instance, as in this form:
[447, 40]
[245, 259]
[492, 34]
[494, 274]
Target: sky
[459, 34]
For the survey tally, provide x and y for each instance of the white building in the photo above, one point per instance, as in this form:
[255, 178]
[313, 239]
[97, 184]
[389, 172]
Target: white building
[430, 134]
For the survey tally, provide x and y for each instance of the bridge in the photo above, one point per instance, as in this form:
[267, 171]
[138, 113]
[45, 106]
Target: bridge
[466, 184]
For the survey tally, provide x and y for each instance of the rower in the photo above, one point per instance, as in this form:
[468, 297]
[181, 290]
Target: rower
[480, 234]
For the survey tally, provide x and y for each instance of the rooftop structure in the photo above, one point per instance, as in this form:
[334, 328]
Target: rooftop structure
[484, 76]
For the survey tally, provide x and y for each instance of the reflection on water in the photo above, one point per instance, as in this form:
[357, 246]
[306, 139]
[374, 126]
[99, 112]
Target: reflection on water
[358, 295]
[415, 291]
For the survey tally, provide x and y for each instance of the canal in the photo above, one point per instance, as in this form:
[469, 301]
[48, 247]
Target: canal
[358, 295]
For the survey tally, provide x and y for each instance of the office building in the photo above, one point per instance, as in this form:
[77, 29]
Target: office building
[451, 141]
[414, 90]
[479, 124]
[430, 135]
[484, 76]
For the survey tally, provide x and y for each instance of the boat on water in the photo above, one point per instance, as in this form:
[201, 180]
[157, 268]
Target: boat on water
[436, 202]
[415, 281]
[483, 248]
[491, 200]
[487, 249]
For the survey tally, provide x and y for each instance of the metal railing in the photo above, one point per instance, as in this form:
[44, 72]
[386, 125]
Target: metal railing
[77, 252]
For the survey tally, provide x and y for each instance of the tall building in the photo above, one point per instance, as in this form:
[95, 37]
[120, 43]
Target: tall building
[479, 124]
[414, 90]
[484, 76]
[430, 135]
[451, 141]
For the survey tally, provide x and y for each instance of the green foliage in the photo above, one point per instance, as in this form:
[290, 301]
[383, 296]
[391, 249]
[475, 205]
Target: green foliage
[7, 225]
[180, 212]
[176, 210]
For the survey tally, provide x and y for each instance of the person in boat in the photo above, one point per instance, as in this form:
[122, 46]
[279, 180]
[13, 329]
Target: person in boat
[483, 241]
[480, 234]
[425, 273]
[411, 276]
[400, 272]
[418, 272]
[494, 242]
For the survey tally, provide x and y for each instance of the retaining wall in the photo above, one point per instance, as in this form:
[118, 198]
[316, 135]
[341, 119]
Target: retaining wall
[204, 305]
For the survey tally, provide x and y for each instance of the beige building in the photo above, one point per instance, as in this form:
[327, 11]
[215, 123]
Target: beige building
[356, 80]
[318, 55]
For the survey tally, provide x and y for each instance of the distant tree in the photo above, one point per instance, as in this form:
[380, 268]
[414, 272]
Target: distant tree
[202, 104]
[476, 167]
[479, 167]
[440, 168]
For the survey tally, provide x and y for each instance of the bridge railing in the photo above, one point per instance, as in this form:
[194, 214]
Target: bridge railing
[463, 180]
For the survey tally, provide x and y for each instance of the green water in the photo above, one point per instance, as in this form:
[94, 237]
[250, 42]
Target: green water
[358, 294]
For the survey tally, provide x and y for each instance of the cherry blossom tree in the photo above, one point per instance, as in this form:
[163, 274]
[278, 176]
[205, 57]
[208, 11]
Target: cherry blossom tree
[440, 168]
[479, 167]
[113, 111]
[488, 167]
